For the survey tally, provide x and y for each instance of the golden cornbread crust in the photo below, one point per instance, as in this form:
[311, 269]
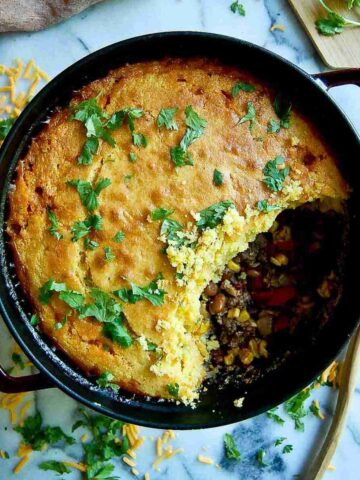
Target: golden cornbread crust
[155, 182]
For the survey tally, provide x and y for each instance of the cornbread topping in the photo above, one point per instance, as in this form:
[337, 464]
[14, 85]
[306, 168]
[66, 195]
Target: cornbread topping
[138, 195]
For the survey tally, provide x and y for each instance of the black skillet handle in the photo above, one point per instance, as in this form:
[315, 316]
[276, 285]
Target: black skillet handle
[28, 383]
[335, 78]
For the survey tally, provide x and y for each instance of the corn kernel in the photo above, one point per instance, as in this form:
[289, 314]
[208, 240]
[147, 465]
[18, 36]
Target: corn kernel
[262, 349]
[244, 316]
[234, 313]
[246, 356]
[229, 359]
[279, 260]
[233, 266]
[254, 347]
[324, 290]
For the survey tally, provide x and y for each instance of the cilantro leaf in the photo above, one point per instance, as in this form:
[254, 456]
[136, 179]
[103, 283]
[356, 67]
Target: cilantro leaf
[172, 231]
[88, 194]
[150, 347]
[37, 436]
[287, 449]
[84, 110]
[54, 225]
[103, 309]
[218, 178]
[263, 206]
[260, 455]
[273, 126]
[108, 254]
[173, 389]
[238, 8]
[82, 228]
[150, 292]
[195, 128]
[231, 450]
[117, 332]
[274, 416]
[119, 237]
[331, 25]
[211, 217]
[279, 441]
[5, 126]
[72, 298]
[295, 408]
[160, 214]
[55, 466]
[90, 244]
[100, 471]
[34, 320]
[249, 116]
[282, 107]
[132, 157]
[104, 381]
[166, 118]
[49, 287]
[116, 120]
[273, 176]
[139, 140]
[241, 86]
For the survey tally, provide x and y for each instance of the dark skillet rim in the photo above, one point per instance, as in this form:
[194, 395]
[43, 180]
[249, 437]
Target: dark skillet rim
[321, 363]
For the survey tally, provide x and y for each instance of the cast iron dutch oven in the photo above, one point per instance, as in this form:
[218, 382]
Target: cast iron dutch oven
[216, 406]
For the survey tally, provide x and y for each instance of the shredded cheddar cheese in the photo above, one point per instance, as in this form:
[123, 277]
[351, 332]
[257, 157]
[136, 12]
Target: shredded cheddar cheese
[21, 464]
[77, 466]
[206, 460]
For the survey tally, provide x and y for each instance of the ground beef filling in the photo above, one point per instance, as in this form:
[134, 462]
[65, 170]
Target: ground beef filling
[282, 287]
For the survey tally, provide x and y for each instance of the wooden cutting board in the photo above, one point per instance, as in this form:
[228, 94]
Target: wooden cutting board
[339, 51]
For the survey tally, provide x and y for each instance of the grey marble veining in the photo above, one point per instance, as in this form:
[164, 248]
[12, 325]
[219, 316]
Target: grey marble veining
[54, 50]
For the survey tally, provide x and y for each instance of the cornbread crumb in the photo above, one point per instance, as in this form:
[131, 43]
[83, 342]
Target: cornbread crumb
[238, 403]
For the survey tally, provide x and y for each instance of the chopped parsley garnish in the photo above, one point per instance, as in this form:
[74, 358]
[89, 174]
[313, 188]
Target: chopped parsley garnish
[195, 128]
[282, 107]
[55, 466]
[273, 176]
[160, 214]
[231, 451]
[107, 311]
[59, 325]
[34, 320]
[130, 114]
[104, 381]
[238, 8]
[335, 23]
[107, 442]
[263, 206]
[150, 292]
[73, 299]
[47, 290]
[37, 436]
[273, 126]
[172, 230]
[274, 416]
[132, 157]
[218, 178]
[295, 408]
[139, 139]
[54, 225]
[150, 347]
[260, 455]
[173, 389]
[249, 116]
[108, 254]
[5, 126]
[315, 409]
[127, 178]
[241, 86]
[90, 244]
[88, 194]
[17, 359]
[166, 118]
[88, 151]
[81, 229]
[212, 216]
[279, 441]
[287, 449]
[119, 237]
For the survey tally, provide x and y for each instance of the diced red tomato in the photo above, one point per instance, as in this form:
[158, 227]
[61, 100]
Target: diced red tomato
[275, 297]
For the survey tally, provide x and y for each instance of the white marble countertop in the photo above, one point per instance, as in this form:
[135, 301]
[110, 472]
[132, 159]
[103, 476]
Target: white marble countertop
[55, 49]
